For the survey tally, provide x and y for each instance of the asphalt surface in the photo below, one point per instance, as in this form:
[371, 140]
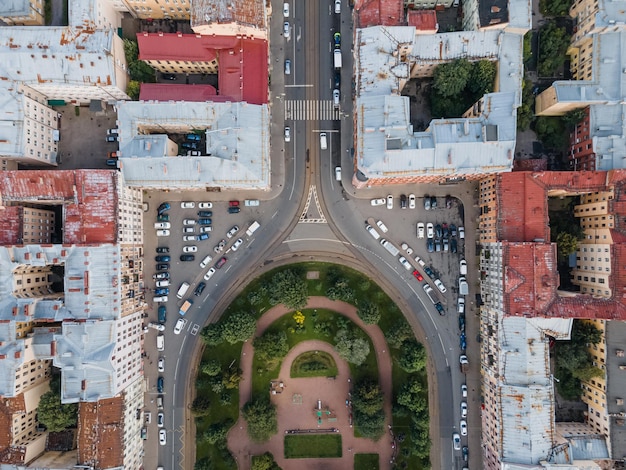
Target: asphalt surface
[284, 237]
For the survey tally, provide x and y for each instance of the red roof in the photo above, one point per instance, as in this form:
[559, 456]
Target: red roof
[89, 199]
[242, 62]
[101, 433]
[177, 92]
[379, 12]
[531, 164]
[423, 20]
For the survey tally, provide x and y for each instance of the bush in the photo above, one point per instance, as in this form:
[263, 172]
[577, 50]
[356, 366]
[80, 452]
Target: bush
[238, 327]
[289, 288]
[368, 312]
[261, 417]
[201, 406]
[351, 347]
[413, 357]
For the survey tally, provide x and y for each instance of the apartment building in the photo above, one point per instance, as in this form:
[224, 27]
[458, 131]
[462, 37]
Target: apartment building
[22, 12]
[157, 9]
[245, 18]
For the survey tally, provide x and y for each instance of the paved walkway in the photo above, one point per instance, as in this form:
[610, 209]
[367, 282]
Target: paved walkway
[333, 394]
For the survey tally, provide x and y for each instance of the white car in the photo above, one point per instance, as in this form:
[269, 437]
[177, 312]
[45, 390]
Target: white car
[162, 437]
[461, 232]
[164, 283]
[411, 201]
[462, 267]
[206, 228]
[207, 259]
[237, 244]
[231, 233]
[463, 409]
[160, 298]
[189, 222]
[179, 326]
[209, 274]
[440, 286]
[163, 233]
[286, 30]
[337, 6]
[287, 134]
[190, 249]
[378, 202]
[189, 238]
[464, 391]
[187, 205]
[390, 202]
[430, 230]
[420, 261]
[162, 225]
[383, 228]
[157, 326]
[286, 10]
[456, 441]
[189, 229]
[205, 205]
[161, 365]
[463, 427]
[372, 231]
[404, 262]
[420, 230]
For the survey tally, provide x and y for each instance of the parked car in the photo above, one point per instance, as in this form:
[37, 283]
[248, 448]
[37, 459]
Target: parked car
[404, 262]
[440, 286]
[452, 230]
[463, 342]
[205, 205]
[163, 218]
[420, 230]
[161, 365]
[462, 322]
[163, 207]
[187, 257]
[463, 409]
[203, 236]
[461, 232]
[205, 261]
[189, 238]
[453, 246]
[411, 201]
[160, 384]
[433, 202]
[456, 441]
[111, 138]
[163, 283]
[193, 137]
[231, 233]
[464, 391]
[180, 323]
[198, 290]
[205, 214]
[383, 228]
[162, 291]
[191, 229]
[209, 274]
[162, 312]
[390, 202]
[463, 267]
[430, 230]
[162, 225]
[337, 40]
[287, 134]
[189, 221]
[237, 244]
[446, 230]
[189, 145]
[378, 202]
[163, 249]
[205, 221]
[161, 276]
[463, 426]
[286, 10]
[187, 205]
[430, 246]
[417, 275]
[403, 201]
[286, 30]
[190, 249]
[162, 258]
[162, 437]
[204, 229]
[221, 263]
[465, 452]
[162, 267]
[426, 202]
[234, 210]
[438, 231]
[437, 245]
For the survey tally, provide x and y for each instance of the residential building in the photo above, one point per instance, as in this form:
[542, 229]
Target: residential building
[245, 18]
[29, 128]
[95, 14]
[177, 92]
[234, 151]
[76, 65]
[22, 12]
[157, 9]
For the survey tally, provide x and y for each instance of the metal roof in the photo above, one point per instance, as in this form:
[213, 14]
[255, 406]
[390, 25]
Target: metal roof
[15, 8]
[245, 12]
[11, 120]
[236, 152]
[615, 337]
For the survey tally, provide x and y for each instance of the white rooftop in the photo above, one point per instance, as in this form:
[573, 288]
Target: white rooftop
[237, 153]
[11, 120]
[15, 7]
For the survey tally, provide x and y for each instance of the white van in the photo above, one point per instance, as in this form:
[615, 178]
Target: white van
[160, 343]
[323, 141]
[372, 231]
[182, 290]
[338, 173]
[160, 298]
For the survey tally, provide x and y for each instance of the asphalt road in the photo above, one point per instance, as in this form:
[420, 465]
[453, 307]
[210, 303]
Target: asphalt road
[296, 166]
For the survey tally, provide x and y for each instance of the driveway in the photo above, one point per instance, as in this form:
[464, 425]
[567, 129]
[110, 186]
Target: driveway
[294, 413]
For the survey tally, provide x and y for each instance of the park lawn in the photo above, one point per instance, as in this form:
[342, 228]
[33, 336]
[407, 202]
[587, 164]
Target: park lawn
[366, 462]
[327, 366]
[313, 446]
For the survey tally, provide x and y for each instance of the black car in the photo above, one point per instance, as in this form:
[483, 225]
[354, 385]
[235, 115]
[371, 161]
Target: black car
[205, 221]
[438, 231]
[429, 271]
[160, 382]
[337, 80]
[453, 245]
[189, 145]
[162, 249]
[162, 259]
[402, 201]
[462, 322]
[168, 76]
[162, 313]
[446, 231]
[433, 202]
[465, 453]
[163, 218]
[448, 201]
[440, 308]
[453, 230]
[162, 267]
[187, 257]
[205, 214]
[234, 210]
[162, 291]
[430, 245]
[199, 289]
[163, 207]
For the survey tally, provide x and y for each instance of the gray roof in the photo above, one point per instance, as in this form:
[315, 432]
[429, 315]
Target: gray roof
[236, 153]
[15, 8]
[153, 145]
[615, 334]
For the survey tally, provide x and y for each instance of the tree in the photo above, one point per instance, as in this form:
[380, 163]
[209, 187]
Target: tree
[212, 367]
[264, 462]
[525, 113]
[585, 333]
[399, 332]
[238, 327]
[138, 69]
[551, 132]
[368, 312]
[351, 347]
[201, 406]
[413, 357]
[340, 291]
[212, 334]
[204, 464]
[553, 44]
[132, 89]
[289, 288]
[55, 416]
[367, 403]
[271, 346]
[217, 432]
[451, 79]
[572, 118]
[482, 77]
[566, 243]
[412, 396]
[231, 379]
[588, 372]
[555, 7]
[261, 417]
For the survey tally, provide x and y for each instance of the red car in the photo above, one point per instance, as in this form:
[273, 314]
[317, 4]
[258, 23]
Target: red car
[221, 263]
[418, 276]
[233, 203]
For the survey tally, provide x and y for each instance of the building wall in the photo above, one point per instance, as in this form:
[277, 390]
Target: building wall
[581, 152]
[230, 29]
[487, 202]
[38, 225]
[132, 442]
[180, 66]
[8, 164]
[595, 389]
[32, 16]
[130, 215]
[416, 179]
[584, 12]
[40, 121]
[32, 281]
[159, 9]
[581, 58]
[128, 347]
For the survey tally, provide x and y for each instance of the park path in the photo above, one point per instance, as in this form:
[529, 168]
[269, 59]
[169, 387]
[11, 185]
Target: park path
[333, 393]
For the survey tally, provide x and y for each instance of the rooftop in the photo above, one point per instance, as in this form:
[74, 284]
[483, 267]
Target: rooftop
[177, 92]
[15, 8]
[379, 12]
[615, 335]
[217, 12]
[101, 433]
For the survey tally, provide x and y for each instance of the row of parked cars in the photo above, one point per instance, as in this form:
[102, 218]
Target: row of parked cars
[430, 202]
[440, 237]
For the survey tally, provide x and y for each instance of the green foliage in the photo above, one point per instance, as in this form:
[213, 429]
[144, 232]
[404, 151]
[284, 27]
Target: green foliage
[201, 406]
[586, 333]
[366, 461]
[566, 243]
[450, 79]
[261, 417]
[555, 7]
[351, 346]
[212, 367]
[271, 346]
[204, 464]
[231, 379]
[528, 49]
[525, 113]
[551, 132]
[588, 372]
[264, 462]
[312, 446]
[289, 288]
[217, 432]
[314, 364]
[139, 70]
[132, 89]
[367, 404]
[482, 76]
[413, 397]
[238, 327]
[413, 357]
[55, 416]
[368, 312]
[572, 118]
[212, 334]
[398, 333]
[553, 44]
[340, 291]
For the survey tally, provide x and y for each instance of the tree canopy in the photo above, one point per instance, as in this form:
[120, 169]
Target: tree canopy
[367, 404]
[413, 357]
[351, 346]
[271, 346]
[289, 288]
[238, 327]
[55, 416]
[368, 312]
[553, 44]
[139, 70]
[261, 417]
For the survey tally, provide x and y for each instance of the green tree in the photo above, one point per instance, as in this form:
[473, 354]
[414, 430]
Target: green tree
[231, 379]
[55, 416]
[566, 243]
[368, 312]
[482, 78]
[528, 46]
[216, 432]
[588, 372]
[351, 347]
[553, 44]
[204, 464]
[555, 7]
[289, 288]
[138, 69]
[367, 397]
[450, 79]
[264, 462]
[212, 367]
[413, 396]
[551, 132]
[271, 346]
[399, 332]
[201, 405]
[212, 334]
[525, 113]
[340, 291]
[585, 333]
[572, 118]
[413, 357]
[261, 417]
[132, 89]
[238, 327]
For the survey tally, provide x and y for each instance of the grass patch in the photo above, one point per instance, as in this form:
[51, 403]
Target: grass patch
[313, 364]
[366, 461]
[319, 446]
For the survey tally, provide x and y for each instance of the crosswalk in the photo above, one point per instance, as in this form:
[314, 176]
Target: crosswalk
[310, 110]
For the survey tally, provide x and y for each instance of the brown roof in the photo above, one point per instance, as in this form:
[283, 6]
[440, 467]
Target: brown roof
[101, 433]
[89, 198]
[530, 164]
[423, 20]
[10, 454]
[245, 12]
[379, 12]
